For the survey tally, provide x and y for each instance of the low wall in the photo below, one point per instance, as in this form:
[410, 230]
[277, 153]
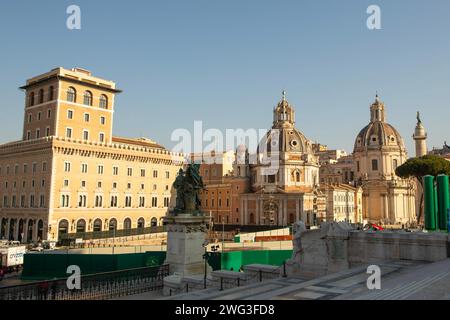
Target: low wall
[337, 246]
[367, 247]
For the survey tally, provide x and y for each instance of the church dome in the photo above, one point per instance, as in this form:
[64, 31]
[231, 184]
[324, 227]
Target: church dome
[378, 133]
[284, 137]
[287, 140]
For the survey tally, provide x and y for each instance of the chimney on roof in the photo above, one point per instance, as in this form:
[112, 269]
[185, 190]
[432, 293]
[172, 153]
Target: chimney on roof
[81, 70]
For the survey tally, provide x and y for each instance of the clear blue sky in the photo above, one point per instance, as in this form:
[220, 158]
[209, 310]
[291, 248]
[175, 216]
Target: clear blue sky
[226, 63]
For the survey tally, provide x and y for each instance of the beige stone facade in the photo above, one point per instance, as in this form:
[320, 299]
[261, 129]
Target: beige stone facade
[379, 150]
[70, 174]
[344, 203]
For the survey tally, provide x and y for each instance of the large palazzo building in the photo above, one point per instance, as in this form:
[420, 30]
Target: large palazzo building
[70, 174]
[379, 150]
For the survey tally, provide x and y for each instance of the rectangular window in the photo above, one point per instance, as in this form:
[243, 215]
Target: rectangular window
[128, 201]
[29, 117]
[25, 168]
[167, 175]
[86, 117]
[28, 135]
[34, 167]
[142, 172]
[85, 134]
[69, 133]
[49, 114]
[115, 171]
[130, 172]
[100, 169]
[38, 133]
[44, 166]
[47, 131]
[155, 174]
[39, 116]
[374, 165]
[67, 166]
[84, 168]
[102, 137]
[69, 114]
[102, 120]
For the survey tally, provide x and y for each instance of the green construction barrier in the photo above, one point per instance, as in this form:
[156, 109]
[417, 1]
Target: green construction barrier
[443, 201]
[430, 203]
[236, 259]
[43, 266]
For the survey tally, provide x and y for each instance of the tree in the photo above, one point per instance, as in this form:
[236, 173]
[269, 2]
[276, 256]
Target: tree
[419, 167]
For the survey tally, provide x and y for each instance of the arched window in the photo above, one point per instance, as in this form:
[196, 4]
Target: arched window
[127, 223]
[141, 223]
[21, 231]
[103, 102]
[40, 233]
[81, 225]
[41, 96]
[63, 228]
[297, 176]
[3, 228]
[71, 95]
[50, 93]
[12, 228]
[87, 98]
[32, 99]
[112, 224]
[30, 230]
[97, 225]
[154, 222]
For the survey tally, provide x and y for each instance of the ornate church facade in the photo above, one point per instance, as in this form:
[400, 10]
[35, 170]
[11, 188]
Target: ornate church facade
[286, 188]
[379, 149]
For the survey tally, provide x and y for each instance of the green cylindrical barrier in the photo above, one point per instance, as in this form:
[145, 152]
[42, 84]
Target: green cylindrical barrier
[443, 200]
[429, 198]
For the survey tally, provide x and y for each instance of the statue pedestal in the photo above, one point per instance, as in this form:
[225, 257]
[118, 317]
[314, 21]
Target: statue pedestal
[186, 235]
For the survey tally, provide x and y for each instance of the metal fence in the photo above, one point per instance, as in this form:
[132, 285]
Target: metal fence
[100, 286]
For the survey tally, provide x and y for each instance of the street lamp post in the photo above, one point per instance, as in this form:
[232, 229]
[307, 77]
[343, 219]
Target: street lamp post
[205, 256]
